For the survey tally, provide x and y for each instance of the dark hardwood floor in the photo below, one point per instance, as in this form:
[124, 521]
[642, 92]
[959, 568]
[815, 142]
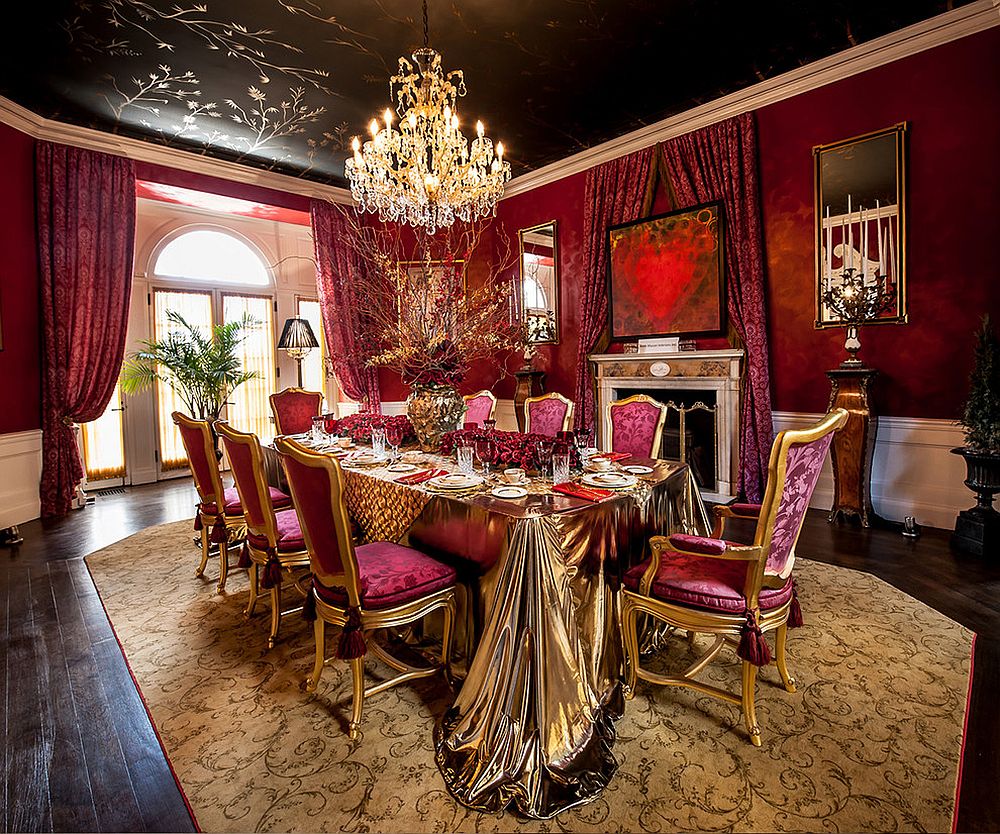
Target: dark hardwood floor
[79, 752]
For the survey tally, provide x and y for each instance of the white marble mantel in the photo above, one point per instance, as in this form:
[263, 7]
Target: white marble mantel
[701, 370]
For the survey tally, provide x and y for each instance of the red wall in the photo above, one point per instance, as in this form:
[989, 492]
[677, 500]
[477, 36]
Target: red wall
[20, 359]
[949, 96]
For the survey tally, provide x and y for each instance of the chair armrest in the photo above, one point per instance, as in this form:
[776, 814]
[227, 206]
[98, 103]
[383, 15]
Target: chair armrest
[722, 512]
[701, 546]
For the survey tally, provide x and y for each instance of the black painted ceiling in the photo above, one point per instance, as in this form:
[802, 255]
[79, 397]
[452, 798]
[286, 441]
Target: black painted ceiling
[285, 84]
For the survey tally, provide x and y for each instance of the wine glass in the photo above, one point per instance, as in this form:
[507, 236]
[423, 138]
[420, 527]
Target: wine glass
[582, 440]
[543, 451]
[489, 425]
[394, 436]
[484, 451]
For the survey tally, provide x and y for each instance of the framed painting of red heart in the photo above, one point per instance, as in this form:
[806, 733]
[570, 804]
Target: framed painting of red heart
[666, 274]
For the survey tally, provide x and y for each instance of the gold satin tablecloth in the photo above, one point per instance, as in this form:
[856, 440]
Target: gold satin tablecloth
[533, 724]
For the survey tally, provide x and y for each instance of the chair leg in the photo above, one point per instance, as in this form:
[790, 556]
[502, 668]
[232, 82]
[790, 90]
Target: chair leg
[223, 562]
[275, 615]
[254, 585]
[448, 630]
[749, 707]
[205, 546]
[630, 625]
[780, 662]
[358, 673]
[319, 631]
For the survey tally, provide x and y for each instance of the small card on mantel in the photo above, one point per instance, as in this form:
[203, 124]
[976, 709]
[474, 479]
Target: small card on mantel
[669, 344]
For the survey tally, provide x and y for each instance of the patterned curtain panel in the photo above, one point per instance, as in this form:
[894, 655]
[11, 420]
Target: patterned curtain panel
[249, 408]
[86, 233]
[615, 193]
[719, 162]
[337, 275]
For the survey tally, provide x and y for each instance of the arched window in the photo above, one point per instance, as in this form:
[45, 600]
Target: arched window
[213, 256]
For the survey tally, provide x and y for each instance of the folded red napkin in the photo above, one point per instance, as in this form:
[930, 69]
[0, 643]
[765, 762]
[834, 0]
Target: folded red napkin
[586, 493]
[420, 477]
[614, 456]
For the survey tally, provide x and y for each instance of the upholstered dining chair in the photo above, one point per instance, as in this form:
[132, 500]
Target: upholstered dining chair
[219, 513]
[294, 409]
[636, 425]
[274, 546]
[734, 592]
[479, 407]
[548, 414]
[376, 585]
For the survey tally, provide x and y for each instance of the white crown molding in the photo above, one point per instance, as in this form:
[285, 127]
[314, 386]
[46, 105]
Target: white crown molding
[942, 29]
[50, 130]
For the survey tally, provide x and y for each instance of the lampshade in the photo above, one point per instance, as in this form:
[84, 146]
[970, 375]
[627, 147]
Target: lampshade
[297, 338]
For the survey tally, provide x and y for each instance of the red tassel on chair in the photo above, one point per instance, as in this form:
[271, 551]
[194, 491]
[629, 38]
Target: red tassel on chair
[795, 610]
[309, 605]
[244, 561]
[272, 570]
[219, 530]
[197, 521]
[753, 647]
[352, 640]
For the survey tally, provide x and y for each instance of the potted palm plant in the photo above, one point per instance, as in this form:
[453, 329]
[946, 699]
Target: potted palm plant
[204, 369]
[977, 530]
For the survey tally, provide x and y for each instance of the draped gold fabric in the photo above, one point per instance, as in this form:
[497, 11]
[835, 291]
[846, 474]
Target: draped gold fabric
[533, 724]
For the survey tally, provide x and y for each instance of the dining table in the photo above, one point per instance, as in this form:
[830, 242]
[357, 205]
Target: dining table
[532, 727]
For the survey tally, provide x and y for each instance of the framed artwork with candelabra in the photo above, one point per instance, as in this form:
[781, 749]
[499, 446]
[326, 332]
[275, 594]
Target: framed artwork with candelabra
[860, 186]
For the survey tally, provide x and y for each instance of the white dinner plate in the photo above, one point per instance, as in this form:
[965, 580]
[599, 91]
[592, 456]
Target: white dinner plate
[509, 492]
[365, 458]
[457, 480]
[402, 467]
[609, 480]
[638, 469]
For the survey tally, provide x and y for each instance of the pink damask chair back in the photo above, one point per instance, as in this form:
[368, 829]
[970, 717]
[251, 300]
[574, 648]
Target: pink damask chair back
[479, 407]
[637, 425]
[317, 486]
[294, 409]
[548, 414]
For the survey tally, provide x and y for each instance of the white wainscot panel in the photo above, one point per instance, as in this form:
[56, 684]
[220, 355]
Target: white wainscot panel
[20, 473]
[913, 470]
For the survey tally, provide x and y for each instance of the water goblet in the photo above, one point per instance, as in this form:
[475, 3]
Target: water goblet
[394, 436]
[489, 425]
[560, 464]
[378, 441]
[463, 454]
[543, 453]
[317, 430]
[485, 451]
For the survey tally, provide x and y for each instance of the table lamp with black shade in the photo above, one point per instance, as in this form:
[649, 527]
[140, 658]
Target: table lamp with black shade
[297, 338]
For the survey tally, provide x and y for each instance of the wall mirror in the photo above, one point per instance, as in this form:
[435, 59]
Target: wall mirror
[539, 296]
[860, 222]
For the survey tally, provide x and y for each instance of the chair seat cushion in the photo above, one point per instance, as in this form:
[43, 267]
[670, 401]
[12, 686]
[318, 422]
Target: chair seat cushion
[392, 575]
[233, 506]
[290, 536]
[713, 584]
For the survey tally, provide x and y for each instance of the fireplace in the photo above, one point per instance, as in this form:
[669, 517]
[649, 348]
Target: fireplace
[701, 391]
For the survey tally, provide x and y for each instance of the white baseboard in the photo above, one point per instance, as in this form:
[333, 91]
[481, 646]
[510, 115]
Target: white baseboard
[21, 468]
[506, 421]
[913, 470]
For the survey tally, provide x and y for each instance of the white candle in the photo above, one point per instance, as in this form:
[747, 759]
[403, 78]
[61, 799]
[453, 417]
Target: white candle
[829, 248]
[864, 246]
[892, 253]
[850, 234]
[878, 226]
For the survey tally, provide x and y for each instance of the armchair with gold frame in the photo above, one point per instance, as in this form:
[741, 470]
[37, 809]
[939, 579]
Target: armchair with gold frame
[379, 585]
[636, 425]
[294, 408]
[734, 592]
[548, 414]
[479, 407]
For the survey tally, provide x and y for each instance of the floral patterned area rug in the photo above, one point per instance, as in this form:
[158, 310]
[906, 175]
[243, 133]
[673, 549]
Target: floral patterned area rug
[870, 742]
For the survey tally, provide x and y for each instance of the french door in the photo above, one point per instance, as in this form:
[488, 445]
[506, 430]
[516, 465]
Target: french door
[103, 442]
[248, 408]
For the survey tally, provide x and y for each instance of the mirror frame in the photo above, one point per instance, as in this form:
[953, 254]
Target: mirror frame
[556, 289]
[900, 132]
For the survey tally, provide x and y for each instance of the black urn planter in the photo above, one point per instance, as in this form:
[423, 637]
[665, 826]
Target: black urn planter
[977, 530]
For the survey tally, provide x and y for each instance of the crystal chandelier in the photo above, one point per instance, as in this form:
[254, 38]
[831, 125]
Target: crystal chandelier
[424, 171]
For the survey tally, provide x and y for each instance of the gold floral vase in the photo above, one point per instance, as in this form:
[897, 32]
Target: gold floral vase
[434, 410]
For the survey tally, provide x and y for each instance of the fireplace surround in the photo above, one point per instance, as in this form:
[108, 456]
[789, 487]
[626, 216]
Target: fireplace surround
[684, 379]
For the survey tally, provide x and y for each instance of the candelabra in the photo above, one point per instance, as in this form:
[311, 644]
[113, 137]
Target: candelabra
[858, 299]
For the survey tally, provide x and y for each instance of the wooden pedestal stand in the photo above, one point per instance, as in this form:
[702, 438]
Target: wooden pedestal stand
[530, 383]
[854, 445]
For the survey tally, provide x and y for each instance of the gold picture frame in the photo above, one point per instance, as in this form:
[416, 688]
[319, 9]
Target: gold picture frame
[542, 319]
[865, 172]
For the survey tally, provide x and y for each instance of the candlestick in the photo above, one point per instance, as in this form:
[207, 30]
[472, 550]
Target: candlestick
[850, 234]
[829, 248]
[878, 226]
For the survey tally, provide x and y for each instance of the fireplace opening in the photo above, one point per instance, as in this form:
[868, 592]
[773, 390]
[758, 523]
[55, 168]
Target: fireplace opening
[695, 411]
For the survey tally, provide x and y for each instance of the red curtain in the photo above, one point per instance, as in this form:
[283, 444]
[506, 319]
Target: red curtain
[337, 276]
[615, 192]
[719, 163]
[86, 234]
